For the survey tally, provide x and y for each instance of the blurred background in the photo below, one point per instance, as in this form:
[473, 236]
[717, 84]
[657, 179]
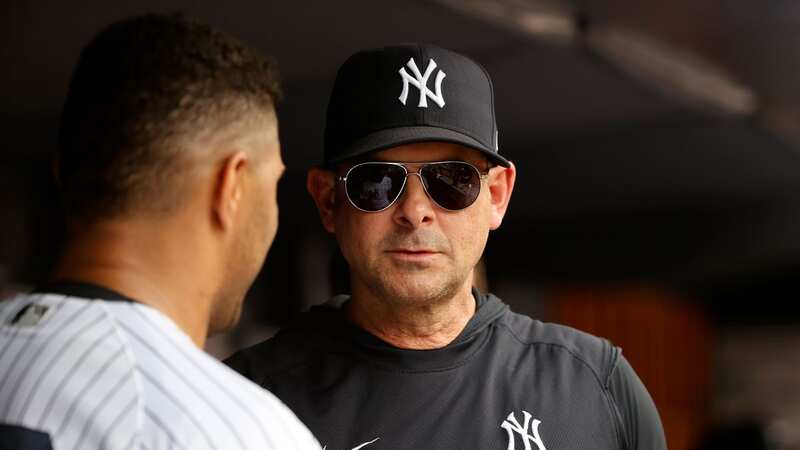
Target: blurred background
[658, 195]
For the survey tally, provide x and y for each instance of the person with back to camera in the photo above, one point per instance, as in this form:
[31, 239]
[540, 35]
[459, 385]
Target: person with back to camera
[168, 166]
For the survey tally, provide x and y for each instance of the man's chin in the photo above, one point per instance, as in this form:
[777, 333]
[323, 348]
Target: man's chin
[418, 290]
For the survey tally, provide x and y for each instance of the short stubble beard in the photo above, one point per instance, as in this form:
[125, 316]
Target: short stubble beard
[442, 283]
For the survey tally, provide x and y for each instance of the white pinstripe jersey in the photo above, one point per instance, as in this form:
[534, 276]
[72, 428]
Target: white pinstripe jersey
[97, 374]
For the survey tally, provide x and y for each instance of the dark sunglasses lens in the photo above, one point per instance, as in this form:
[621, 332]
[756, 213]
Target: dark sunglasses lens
[373, 187]
[453, 185]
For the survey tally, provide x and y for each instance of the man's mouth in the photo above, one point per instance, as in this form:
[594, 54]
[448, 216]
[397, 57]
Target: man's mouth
[413, 254]
[413, 250]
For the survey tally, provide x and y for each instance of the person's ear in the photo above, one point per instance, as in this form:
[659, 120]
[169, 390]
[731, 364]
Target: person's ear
[501, 184]
[321, 184]
[229, 189]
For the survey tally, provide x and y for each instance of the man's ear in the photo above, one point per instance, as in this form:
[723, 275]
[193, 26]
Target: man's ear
[501, 184]
[321, 184]
[229, 188]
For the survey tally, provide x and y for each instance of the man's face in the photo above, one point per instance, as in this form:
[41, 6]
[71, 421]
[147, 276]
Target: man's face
[263, 208]
[415, 251]
[257, 223]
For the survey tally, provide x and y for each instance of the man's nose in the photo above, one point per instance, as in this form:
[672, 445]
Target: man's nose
[414, 208]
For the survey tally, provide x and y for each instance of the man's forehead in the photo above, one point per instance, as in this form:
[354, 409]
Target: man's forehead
[428, 151]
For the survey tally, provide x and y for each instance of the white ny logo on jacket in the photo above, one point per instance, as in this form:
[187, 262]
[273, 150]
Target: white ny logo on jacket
[512, 426]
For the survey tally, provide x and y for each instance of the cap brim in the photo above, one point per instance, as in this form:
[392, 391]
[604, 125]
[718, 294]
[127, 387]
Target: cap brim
[392, 137]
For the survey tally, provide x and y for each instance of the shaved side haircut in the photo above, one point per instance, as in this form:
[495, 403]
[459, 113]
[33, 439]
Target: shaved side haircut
[143, 91]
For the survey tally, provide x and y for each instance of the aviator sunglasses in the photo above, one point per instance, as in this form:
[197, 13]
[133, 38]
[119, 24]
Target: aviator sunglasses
[376, 185]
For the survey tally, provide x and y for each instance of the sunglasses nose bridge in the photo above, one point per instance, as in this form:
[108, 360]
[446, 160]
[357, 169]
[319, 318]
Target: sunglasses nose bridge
[408, 174]
[421, 182]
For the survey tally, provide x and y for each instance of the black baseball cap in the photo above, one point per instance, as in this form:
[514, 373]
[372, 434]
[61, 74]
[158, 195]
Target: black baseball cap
[404, 94]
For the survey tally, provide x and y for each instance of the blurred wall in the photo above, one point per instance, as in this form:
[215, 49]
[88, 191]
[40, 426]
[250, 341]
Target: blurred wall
[667, 339]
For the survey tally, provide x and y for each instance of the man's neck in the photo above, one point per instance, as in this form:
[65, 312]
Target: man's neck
[409, 326]
[143, 268]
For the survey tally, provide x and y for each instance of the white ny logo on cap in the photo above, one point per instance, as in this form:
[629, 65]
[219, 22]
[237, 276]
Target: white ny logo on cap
[421, 82]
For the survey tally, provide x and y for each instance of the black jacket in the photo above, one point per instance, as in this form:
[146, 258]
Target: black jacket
[507, 382]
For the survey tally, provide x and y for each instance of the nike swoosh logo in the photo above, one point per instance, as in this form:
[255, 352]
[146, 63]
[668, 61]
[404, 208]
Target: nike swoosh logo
[360, 446]
[366, 444]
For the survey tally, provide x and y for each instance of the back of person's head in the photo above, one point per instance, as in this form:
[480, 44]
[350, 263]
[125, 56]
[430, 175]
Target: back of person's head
[143, 90]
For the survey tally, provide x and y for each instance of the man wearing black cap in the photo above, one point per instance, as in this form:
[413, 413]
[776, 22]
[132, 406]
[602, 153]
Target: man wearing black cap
[416, 358]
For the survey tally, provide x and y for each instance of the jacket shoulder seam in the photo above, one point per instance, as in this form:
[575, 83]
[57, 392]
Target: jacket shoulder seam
[571, 352]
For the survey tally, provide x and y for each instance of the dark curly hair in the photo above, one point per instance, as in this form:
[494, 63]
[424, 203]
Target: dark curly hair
[141, 88]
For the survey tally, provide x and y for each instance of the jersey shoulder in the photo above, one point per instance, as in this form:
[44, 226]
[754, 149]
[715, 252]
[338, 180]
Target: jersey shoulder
[66, 370]
[600, 355]
[198, 401]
